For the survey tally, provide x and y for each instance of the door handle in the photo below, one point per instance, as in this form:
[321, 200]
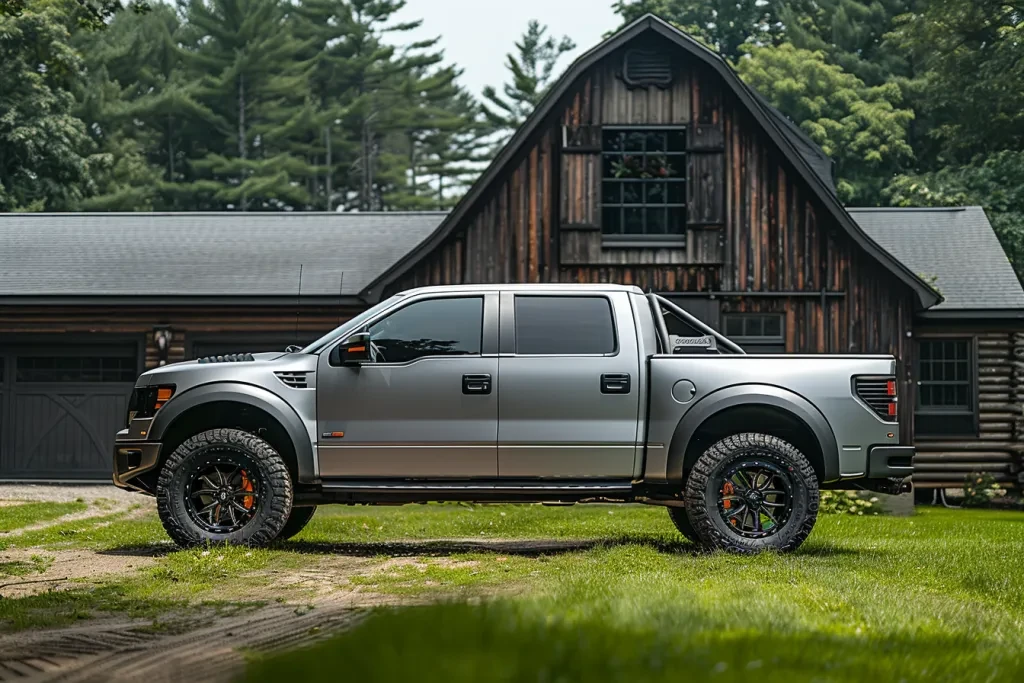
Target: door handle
[615, 383]
[476, 384]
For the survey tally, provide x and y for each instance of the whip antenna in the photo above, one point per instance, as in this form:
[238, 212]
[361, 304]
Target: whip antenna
[298, 305]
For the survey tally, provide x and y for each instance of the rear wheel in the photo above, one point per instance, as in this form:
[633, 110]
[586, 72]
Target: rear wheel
[297, 521]
[752, 492]
[224, 486]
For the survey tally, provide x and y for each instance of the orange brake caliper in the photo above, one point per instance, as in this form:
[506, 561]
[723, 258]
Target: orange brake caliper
[247, 501]
[727, 490]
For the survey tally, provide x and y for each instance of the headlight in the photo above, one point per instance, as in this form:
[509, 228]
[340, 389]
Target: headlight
[145, 401]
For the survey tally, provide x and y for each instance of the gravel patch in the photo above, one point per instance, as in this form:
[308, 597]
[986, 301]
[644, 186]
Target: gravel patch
[67, 493]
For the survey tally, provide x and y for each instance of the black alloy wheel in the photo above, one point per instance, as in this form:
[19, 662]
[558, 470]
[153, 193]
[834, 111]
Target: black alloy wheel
[756, 497]
[224, 486]
[222, 497]
[752, 492]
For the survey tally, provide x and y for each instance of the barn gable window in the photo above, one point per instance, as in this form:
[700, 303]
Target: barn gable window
[643, 184]
[946, 404]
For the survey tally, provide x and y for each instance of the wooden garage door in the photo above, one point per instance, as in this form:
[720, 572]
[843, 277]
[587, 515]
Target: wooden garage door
[61, 406]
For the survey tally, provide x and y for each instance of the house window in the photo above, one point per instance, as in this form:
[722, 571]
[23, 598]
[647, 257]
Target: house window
[756, 332]
[945, 388]
[643, 184]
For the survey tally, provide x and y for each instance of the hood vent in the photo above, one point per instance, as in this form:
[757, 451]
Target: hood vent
[229, 358]
[295, 380]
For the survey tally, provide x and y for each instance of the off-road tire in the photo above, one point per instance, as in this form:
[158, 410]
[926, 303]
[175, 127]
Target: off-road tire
[702, 494]
[297, 521]
[680, 518]
[275, 495]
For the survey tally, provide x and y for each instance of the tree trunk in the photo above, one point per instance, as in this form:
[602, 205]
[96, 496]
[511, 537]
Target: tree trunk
[241, 133]
[330, 169]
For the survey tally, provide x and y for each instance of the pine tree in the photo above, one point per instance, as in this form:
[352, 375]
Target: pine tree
[249, 76]
[532, 70]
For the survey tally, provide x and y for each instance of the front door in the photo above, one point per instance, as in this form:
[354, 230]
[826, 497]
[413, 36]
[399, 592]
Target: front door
[570, 386]
[427, 406]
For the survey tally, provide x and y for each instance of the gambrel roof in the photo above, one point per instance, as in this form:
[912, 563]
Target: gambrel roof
[798, 149]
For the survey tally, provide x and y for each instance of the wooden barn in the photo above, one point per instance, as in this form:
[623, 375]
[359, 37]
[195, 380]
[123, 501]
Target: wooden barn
[648, 163]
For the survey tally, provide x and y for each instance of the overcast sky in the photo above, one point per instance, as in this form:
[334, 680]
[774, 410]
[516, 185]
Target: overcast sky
[477, 34]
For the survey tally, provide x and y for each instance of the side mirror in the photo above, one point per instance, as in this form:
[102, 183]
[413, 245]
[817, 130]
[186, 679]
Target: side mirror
[355, 350]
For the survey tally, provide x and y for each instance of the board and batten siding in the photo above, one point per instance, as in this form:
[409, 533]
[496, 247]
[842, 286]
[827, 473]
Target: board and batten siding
[754, 227]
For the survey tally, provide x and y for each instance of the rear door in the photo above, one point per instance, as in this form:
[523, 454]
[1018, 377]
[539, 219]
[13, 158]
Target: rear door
[569, 399]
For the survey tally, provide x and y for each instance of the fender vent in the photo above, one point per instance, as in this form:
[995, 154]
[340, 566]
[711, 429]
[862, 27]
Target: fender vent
[643, 67]
[879, 393]
[295, 380]
[229, 358]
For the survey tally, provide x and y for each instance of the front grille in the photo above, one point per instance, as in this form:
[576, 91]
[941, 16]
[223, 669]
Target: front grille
[879, 393]
[296, 380]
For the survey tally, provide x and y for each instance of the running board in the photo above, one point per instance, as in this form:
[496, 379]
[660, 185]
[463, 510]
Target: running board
[368, 491]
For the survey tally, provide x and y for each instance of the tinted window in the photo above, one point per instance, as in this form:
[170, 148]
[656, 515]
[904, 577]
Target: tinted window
[564, 325]
[434, 327]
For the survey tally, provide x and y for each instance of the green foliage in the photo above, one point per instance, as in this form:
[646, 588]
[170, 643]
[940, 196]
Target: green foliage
[42, 144]
[862, 128]
[847, 503]
[980, 488]
[532, 70]
[970, 58]
[725, 25]
[994, 182]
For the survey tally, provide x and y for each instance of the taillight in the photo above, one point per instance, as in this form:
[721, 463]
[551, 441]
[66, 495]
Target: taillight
[879, 393]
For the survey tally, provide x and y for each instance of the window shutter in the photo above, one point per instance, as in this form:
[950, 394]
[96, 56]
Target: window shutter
[581, 176]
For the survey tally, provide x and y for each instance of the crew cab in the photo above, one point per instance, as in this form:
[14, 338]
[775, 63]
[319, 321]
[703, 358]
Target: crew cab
[513, 393]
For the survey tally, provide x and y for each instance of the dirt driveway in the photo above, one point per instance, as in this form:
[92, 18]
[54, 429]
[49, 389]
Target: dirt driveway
[197, 644]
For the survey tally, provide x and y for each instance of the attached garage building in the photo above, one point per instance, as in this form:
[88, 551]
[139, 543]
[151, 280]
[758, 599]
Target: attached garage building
[88, 302]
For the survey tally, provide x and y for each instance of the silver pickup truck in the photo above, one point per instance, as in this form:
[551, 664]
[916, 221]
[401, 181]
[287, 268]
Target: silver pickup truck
[513, 393]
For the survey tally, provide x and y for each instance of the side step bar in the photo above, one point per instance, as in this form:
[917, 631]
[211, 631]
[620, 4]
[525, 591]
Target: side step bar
[411, 491]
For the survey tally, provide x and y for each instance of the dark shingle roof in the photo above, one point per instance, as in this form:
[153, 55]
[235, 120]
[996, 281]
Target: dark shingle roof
[956, 246]
[202, 254]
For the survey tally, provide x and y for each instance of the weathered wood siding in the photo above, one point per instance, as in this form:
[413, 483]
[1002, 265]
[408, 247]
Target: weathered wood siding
[999, 445]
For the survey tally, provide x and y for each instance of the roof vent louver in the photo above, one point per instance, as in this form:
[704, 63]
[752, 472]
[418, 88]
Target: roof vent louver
[644, 67]
[228, 358]
[295, 380]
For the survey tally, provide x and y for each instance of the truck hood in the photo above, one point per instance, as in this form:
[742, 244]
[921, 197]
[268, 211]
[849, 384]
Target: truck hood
[234, 366]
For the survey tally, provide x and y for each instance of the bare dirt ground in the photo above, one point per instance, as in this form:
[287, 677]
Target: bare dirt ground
[197, 646]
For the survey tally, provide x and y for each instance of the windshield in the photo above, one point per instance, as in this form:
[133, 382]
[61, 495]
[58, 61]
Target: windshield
[349, 326]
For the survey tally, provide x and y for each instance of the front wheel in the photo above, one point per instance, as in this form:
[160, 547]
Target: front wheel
[752, 492]
[224, 486]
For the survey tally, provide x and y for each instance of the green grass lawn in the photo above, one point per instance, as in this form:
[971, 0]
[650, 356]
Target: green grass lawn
[596, 592]
[18, 516]
[937, 597]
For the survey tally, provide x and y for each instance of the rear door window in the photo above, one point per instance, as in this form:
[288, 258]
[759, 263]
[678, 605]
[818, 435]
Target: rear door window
[564, 326]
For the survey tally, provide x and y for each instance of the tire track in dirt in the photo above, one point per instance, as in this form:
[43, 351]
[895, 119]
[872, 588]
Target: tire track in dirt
[125, 652]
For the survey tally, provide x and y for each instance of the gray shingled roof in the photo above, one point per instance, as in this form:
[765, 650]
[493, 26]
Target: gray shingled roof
[202, 254]
[956, 246]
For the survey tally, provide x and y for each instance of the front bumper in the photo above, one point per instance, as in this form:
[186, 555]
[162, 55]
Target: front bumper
[132, 458]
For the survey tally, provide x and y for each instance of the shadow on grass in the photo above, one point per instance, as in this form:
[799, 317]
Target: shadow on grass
[517, 547]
